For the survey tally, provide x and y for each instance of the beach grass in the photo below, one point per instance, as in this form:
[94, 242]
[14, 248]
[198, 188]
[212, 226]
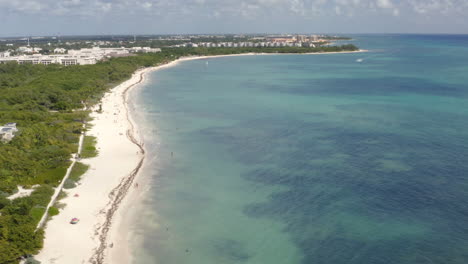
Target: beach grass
[61, 196]
[53, 211]
[37, 212]
[89, 147]
[78, 170]
[75, 175]
[51, 176]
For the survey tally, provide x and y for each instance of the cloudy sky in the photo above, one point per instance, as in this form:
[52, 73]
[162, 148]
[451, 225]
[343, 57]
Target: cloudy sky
[66, 17]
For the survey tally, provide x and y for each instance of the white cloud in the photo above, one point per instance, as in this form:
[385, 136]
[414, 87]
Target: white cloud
[438, 6]
[297, 7]
[384, 3]
[245, 8]
[146, 5]
[29, 6]
[103, 6]
[338, 10]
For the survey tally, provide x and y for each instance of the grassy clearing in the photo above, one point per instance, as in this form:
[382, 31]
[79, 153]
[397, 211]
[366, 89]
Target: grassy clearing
[53, 211]
[75, 175]
[78, 170]
[50, 176]
[61, 196]
[37, 212]
[89, 147]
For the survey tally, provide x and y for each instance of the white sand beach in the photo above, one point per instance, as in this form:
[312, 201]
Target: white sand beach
[102, 188]
[101, 236]
[118, 156]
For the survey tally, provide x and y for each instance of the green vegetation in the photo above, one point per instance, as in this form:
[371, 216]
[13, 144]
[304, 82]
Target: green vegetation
[78, 170]
[283, 50]
[89, 147]
[335, 38]
[53, 211]
[41, 99]
[75, 175]
[18, 222]
[31, 260]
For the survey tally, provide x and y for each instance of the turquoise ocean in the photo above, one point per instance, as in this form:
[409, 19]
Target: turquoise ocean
[308, 159]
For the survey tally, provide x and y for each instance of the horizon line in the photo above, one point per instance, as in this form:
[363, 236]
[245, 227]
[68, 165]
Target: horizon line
[218, 34]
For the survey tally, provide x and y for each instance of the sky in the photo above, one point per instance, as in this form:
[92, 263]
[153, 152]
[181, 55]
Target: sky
[96, 17]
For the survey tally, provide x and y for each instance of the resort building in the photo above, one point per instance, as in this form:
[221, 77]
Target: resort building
[75, 57]
[60, 51]
[50, 59]
[301, 38]
[145, 49]
[28, 49]
[285, 42]
[5, 54]
[25, 49]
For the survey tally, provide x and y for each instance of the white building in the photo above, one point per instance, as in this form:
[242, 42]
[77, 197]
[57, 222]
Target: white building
[144, 49]
[7, 132]
[60, 51]
[5, 54]
[75, 57]
[25, 49]
[65, 60]
[308, 44]
[99, 52]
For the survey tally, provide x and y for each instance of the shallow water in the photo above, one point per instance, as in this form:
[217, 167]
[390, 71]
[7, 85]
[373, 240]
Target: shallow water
[309, 158]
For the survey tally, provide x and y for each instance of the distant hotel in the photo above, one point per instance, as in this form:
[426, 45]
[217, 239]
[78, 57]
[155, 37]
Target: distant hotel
[73, 57]
[276, 41]
[245, 44]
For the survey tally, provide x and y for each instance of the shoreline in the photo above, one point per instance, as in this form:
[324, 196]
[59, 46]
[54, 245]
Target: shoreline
[105, 189]
[120, 253]
[120, 191]
[101, 188]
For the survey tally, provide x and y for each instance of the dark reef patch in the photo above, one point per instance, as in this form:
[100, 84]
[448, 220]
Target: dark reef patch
[358, 195]
[232, 250]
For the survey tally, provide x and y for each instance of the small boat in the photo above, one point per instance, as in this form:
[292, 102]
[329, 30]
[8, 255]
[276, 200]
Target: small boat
[359, 60]
[74, 221]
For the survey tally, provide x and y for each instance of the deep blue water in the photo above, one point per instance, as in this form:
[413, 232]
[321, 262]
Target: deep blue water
[309, 159]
